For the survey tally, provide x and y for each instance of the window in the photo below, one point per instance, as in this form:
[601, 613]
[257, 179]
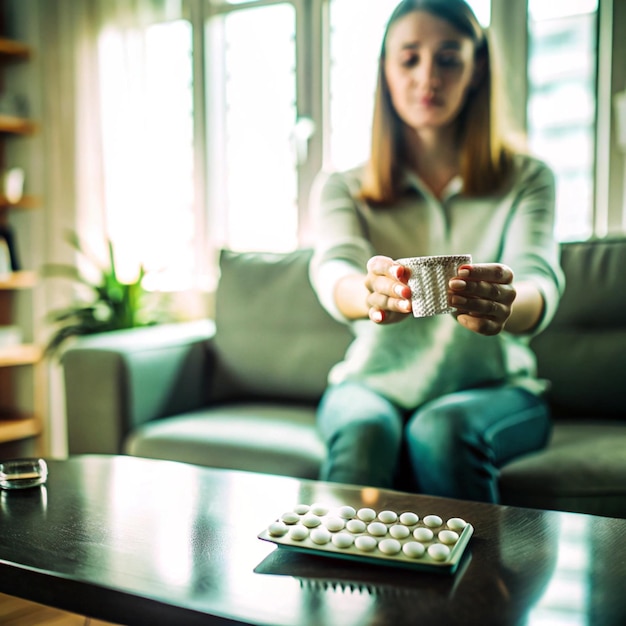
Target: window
[147, 135]
[352, 78]
[259, 85]
[562, 105]
[252, 116]
[289, 86]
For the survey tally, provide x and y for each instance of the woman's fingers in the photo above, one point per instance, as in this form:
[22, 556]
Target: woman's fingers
[489, 284]
[489, 272]
[491, 306]
[479, 325]
[388, 292]
[483, 295]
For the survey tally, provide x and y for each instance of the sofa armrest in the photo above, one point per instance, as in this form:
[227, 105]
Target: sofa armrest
[118, 380]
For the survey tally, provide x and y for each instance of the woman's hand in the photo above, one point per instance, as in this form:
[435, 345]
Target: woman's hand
[389, 296]
[483, 295]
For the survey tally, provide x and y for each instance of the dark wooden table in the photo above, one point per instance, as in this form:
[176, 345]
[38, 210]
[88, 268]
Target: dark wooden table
[137, 541]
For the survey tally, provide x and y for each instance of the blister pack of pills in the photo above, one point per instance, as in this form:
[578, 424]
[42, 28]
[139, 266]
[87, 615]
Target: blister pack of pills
[402, 539]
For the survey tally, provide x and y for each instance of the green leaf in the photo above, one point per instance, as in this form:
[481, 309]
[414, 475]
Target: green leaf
[112, 260]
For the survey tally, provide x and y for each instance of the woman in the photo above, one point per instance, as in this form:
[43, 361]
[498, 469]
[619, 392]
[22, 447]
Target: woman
[453, 396]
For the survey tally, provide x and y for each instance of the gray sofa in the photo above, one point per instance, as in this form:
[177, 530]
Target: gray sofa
[241, 392]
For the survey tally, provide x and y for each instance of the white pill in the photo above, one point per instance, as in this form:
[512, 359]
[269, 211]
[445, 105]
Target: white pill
[387, 517]
[438, 552]
[398, 531]
[448, 537]
[456, 523]
[334, 523]
[291, 517]
[301, 509]
[320, 535]
[390, 546]
[367, 515]
[319, 509]
[343, 540]
[433, 521]
[298, 533]
[277, 529]
[423, 534]
[413, 549]
[347, 512]
[378, 529]
[365, 543]
[356, 526]
[311, 521]
[409, 518]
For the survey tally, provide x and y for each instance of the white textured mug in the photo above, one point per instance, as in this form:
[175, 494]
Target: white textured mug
[429, 281]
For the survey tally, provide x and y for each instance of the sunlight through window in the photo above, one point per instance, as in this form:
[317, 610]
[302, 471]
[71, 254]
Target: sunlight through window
[562, 105]
[148, 151]
[258, 113]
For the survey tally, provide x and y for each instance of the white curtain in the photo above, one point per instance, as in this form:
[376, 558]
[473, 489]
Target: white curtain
[95, 110]
[75, 38]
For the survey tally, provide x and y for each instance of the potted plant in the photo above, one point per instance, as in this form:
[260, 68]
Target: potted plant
[108, 304]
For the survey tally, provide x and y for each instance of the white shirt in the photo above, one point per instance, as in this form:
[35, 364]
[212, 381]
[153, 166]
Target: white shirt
[422, 358]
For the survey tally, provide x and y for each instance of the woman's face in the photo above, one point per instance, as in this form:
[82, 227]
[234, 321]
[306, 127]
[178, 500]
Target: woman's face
[429, 66]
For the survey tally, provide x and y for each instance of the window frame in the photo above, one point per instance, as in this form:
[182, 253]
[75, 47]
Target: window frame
[610, 175]
[609, 206]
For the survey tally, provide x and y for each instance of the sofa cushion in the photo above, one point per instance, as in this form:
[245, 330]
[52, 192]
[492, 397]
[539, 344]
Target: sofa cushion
[591, 269]
[261, 350]
[583, 352]
[582, 470]
[269, 438]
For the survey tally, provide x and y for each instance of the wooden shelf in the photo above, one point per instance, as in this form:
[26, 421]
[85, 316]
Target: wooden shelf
[19, 280]
[15, 49]
[24, 354]
[16, 423]
[26, 202]
[14, 427]
[16, 125]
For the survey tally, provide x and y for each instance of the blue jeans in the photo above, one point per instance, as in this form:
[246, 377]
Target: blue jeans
[452, 446]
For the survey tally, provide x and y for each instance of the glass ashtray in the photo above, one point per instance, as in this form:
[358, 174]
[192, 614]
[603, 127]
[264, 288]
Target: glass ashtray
[22, 473]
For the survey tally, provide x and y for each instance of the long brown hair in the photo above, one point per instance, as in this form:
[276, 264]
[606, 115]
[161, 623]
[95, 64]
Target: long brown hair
[485, 156]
